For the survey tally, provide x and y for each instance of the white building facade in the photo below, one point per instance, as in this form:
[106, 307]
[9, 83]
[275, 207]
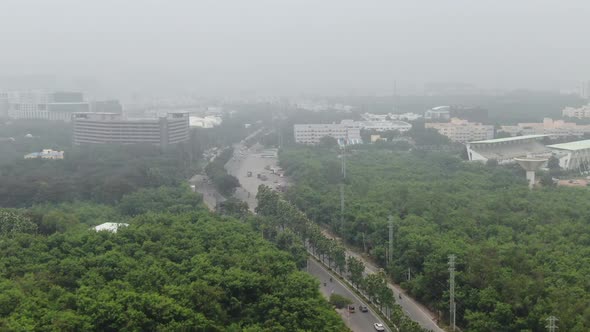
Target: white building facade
[580, 113]
[573, 155]
[311, 134]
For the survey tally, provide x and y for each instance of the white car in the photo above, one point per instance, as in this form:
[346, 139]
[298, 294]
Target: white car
[379, 327]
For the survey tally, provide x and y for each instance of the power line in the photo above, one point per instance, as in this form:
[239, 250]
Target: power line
[390, 253]
[452, 305]
[552, 321]
[341, 207]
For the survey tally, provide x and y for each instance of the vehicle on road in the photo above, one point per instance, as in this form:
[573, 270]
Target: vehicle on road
[379, 327]
[363, 308]
[249, 174]
[351, 308]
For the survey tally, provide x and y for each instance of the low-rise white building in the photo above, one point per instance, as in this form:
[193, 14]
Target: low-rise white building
[462, 131]
[46, 154]
[208, 121]
[553, 128]
[391, 116]
[580, 113]
[311, 134]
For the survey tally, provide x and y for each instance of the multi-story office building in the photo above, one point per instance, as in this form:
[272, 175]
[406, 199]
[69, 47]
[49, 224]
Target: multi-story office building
[39, 105]
[113, 128]
[312, 133]
[462, 131]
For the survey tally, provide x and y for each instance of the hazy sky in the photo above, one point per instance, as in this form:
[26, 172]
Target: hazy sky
[293, 46]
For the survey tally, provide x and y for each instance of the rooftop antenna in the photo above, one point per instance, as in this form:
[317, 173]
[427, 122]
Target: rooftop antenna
[530, 165]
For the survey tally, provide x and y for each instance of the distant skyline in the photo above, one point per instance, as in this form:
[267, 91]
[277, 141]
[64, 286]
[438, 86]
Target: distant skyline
[291, 47]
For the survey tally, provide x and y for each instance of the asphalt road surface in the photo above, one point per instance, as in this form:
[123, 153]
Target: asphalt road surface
[251, 160]
[203, 186]
[357, 321]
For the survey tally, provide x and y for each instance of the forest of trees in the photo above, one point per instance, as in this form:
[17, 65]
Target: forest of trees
[101, 174]
[522, 255]
[176, 267]
[190, 271]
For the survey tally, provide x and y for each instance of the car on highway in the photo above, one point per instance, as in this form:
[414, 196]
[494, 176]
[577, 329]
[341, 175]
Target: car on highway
[363, 308]
[379, 327]
[351, 308]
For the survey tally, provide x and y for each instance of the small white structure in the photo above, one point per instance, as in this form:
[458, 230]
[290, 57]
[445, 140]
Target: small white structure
[110, 227]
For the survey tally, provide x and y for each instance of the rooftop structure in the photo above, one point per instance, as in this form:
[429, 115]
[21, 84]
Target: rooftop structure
[112, 227]
[553, 128]
[462, 131]
[112, 128]
[504, 150]
[46, 154]
[573, 155]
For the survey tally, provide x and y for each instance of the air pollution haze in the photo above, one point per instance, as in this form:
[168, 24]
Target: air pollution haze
[303, 46]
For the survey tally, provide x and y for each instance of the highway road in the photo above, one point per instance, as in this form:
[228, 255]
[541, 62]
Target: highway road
[358, 321]
[416, 311]
[251, 160]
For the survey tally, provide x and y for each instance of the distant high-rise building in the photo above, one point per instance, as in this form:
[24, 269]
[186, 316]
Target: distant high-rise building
[585, 90]
[40, 105]
[106, 106]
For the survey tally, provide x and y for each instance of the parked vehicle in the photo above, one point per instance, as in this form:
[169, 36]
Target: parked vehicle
[351, 308]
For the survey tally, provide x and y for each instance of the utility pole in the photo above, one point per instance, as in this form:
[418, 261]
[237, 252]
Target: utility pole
[343, 160]
[390, 252]
[551, 326]
[341, 207]
[452, 304]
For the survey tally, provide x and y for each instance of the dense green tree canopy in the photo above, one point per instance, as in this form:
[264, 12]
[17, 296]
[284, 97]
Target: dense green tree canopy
[522, 255]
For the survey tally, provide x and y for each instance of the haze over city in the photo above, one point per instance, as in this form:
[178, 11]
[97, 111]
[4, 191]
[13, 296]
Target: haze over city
[291, 47]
